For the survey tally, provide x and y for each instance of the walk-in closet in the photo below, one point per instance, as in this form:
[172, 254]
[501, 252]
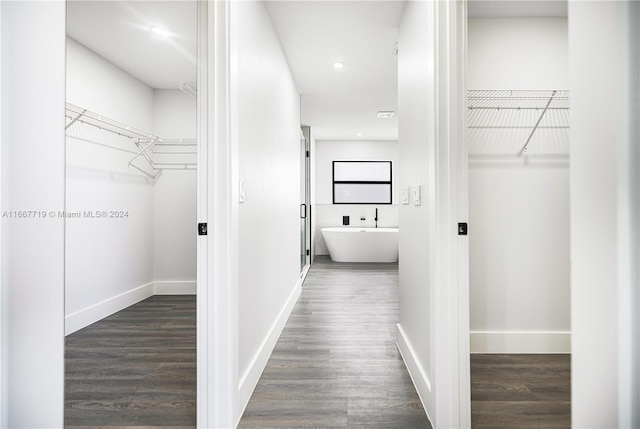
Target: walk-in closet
[130, 217]
[518, 136]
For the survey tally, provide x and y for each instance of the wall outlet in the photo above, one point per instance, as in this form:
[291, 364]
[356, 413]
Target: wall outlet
[417, 195]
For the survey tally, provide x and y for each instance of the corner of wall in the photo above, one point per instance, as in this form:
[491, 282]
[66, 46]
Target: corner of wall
[98, 311]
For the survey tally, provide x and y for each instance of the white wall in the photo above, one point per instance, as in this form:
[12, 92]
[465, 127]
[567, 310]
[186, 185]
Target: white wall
[99, 86]
[519, 257]
[325, 212]
[109, 262]
[604, 60]
[519, 208]
[174, 200]
[268, 126]
[518, 53]
[32, 152]
[416, 237]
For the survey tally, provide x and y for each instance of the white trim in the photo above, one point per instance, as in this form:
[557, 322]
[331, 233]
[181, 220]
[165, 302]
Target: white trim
[520, 342]
[417, 373]
[461, 173]
[85, 317]
[4, 422]
[204, 382]
[186, 287]
[217, 254]
[250, 378]
[449, 307]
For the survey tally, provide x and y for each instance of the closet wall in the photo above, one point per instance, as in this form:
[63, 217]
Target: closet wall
[174, 200]
[111, 262]
[519, 206]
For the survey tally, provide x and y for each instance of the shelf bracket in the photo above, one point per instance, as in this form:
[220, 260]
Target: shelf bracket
[143, 151]
[535, 127]
[73, 121]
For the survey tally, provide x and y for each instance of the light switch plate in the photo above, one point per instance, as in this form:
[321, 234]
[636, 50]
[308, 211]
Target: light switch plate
[417, 195]
[405, 195]
[242, 192]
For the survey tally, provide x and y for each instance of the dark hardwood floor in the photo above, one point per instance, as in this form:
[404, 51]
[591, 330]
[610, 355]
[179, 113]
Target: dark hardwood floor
[136, 368]
[336, 364]
[520, 391]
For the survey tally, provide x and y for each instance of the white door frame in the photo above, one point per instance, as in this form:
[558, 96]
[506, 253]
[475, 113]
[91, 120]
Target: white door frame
[217, 252]
[451, 331]
[459, 110]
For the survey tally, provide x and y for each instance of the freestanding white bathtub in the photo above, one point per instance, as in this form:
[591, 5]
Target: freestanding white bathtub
[353, 244]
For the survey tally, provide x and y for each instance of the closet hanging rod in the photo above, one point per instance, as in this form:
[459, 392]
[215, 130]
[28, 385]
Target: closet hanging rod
[515, 97]
[169, 141]
[152, 176]
[514, 108]
[514, 127]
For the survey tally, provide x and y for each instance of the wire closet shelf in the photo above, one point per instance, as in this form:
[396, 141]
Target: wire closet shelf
[518, 122]
[158, 153]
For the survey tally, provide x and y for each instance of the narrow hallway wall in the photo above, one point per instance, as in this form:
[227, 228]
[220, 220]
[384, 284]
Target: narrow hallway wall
[32, 151]
[268, 139]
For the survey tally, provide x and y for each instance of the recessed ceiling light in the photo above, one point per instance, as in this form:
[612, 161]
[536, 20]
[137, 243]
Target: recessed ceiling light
[358, 134]
[338, 65]
[386, 114]
[160, 32]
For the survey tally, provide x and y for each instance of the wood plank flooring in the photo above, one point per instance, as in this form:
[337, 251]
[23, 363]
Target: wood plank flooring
[136, 368]
[520, 391]
[336, 364]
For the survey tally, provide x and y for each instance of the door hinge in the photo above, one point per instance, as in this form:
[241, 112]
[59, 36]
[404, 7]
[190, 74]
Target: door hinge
[308, 252]
[307, 154]
[202, 229]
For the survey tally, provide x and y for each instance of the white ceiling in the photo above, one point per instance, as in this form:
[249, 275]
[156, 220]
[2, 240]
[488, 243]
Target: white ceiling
[119, 31]
[337, 104]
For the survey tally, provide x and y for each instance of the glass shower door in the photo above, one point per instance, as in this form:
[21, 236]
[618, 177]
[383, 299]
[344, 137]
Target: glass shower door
[304, 203]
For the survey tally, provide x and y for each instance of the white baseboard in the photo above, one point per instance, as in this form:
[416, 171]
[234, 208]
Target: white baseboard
[416, 371]
[520, 342]
[187, 287]
[251, 376]
[85, 317]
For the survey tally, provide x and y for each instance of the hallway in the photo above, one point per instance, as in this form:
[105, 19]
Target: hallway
[336, 364]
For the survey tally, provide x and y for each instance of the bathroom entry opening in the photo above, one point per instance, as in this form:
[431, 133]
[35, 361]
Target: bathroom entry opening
[362, 182]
